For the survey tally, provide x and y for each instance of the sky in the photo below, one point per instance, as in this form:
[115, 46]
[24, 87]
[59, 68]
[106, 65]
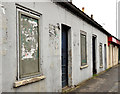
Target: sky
[104, 12]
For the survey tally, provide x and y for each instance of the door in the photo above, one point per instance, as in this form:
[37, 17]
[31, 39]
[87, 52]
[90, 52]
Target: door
[105, 56]
[94, 54]
[64, 56]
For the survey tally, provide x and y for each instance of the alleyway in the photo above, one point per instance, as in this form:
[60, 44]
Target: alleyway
[106, 82]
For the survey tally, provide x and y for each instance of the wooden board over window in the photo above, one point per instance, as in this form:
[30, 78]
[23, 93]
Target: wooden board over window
[28, 45]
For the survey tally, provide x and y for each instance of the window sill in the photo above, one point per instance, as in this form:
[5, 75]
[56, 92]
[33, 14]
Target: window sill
[101, 66]
[28, 81]
[85, 66]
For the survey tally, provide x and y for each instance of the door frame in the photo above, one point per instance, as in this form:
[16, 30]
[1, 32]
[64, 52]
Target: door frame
[69, 54]
[94, 36]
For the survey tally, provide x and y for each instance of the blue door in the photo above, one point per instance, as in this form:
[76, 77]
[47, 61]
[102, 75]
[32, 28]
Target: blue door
[64, 57]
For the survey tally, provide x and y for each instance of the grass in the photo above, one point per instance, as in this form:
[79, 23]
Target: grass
[94, 75]
[107, 69]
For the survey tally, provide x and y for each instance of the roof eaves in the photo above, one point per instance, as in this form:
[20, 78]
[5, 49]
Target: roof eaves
[82, 15]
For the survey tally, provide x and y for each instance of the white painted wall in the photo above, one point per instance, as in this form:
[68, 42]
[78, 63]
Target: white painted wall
[50, 55]
[0, 48]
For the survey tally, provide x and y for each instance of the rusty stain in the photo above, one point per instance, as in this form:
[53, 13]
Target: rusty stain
[70, 67]
[69, 75]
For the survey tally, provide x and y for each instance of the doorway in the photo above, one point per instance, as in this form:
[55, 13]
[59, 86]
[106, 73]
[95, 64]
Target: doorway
[94, 54]
[105, 56]
[64, 56]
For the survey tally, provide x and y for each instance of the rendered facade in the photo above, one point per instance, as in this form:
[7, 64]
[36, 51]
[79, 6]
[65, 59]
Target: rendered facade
[51, 43]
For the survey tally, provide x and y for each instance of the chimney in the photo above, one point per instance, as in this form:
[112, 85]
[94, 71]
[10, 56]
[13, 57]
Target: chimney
[83, 9]
[92, 16]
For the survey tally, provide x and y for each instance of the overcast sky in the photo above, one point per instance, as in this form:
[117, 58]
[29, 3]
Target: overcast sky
[104, 12]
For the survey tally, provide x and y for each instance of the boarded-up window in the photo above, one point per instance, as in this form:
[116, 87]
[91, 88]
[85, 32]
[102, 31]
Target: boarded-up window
[28, 45]
[83, 50]
[100, 52]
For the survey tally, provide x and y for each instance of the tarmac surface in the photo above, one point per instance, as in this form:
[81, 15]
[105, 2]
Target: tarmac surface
[105, 82]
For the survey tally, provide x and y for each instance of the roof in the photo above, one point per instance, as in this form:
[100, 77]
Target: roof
[72, 8]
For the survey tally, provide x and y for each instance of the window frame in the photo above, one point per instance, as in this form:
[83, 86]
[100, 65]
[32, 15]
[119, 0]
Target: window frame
[19, 37]
[82, 33]
[101, 55]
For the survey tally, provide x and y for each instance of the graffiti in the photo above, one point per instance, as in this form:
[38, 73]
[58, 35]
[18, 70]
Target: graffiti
[29, 38]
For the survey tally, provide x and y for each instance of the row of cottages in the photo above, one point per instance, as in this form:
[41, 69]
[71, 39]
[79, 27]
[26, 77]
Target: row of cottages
[48, 46]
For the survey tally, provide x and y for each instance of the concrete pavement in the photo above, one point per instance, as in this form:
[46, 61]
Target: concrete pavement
[105, 82]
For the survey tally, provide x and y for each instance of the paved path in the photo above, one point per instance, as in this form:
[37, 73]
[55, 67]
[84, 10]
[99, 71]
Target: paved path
[106, 82]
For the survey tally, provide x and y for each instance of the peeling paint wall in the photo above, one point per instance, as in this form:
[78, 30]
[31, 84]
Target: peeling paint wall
[54, 55]
[50, 46]
[29, 38]
[54, 35]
